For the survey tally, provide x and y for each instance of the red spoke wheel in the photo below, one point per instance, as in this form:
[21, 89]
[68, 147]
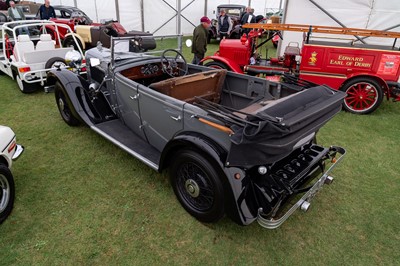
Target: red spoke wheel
[364, 95]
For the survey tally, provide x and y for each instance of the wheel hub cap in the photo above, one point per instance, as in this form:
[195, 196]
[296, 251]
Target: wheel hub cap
[192, 188]
[4, 193]
[61, 104]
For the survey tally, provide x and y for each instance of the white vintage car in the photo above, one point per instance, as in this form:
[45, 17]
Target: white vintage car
[29, 51]
[9, 151]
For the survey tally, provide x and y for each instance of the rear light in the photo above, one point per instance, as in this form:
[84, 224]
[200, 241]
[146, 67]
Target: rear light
[24, 69]
[12, 146]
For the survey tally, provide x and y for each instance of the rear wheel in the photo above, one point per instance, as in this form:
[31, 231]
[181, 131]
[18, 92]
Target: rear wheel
[7, 192]
[64, 106]
[364, 95]
[197, 186]
[25, 87]
[217, 65]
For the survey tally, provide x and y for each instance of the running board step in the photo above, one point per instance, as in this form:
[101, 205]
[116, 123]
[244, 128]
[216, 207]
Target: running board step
[119, 134]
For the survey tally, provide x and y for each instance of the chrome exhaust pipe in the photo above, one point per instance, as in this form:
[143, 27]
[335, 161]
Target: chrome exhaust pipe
[328, 180]
[305, 206]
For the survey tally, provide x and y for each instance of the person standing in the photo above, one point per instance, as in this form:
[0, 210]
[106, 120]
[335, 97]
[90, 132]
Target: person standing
[248, 17]
[46, 11]
[224, 24]
[200, 35]
[15, 13]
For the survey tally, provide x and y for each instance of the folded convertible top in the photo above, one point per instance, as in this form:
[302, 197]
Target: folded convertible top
[275, 129]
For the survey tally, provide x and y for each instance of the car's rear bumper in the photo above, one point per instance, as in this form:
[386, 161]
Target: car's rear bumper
[304, 201]
[18, 151]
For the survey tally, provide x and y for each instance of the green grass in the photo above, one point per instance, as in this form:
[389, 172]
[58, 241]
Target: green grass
[83, 201]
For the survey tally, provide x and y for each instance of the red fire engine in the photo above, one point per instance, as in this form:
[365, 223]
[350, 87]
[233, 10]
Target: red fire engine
[365, 72]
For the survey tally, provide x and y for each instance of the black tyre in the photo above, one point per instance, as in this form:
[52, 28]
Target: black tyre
[64, 106]
[69, 41]
[197, 186]
[217, 65]
[7, 192]
[364, 95]
[55, 62]
[25, 87]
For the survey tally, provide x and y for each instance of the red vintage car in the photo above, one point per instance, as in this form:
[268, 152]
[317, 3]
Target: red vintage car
[366, 73]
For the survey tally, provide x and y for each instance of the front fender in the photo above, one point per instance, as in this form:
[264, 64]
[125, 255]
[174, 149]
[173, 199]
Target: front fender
[232, 65]
[232, 186]
[73, 85]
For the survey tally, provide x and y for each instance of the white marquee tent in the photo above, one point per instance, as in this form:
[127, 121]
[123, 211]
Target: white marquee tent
[160, 16]
[365, 14]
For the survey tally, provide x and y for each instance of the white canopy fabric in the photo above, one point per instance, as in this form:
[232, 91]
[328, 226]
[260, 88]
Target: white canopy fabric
[364, 14]
[159, 16]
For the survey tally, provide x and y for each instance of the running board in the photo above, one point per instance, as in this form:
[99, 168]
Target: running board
[119, 134]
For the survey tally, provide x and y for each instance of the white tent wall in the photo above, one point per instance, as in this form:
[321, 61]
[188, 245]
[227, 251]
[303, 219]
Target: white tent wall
[365, 14]
[156, 13]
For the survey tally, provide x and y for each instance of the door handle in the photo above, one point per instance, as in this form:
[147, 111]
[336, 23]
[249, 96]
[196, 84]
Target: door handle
[178, 118]
[134, 97]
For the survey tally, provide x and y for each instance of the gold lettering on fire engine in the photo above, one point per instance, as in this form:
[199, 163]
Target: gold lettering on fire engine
[346, 60]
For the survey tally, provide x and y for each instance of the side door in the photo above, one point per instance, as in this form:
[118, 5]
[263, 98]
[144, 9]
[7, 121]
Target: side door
[128, 104]
[162, 116]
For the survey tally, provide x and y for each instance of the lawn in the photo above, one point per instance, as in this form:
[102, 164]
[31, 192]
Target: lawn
[83, 201]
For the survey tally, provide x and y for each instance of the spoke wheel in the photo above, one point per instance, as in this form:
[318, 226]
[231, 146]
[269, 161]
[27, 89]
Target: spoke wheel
[197, 186]
[64, 106]
[7, 192]
[364, 95]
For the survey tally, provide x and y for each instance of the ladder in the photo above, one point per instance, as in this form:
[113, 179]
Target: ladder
[323, 29]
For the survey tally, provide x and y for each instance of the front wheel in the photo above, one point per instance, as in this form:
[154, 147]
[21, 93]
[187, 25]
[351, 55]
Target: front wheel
[7, 192]
[217, 65]
[364, 95]
[64, 106]
[197, 186]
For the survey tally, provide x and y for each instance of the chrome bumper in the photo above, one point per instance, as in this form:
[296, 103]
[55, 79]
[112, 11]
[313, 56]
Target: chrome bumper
[304, 202]
[18, 151]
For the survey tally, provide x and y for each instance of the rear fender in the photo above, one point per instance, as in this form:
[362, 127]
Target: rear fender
[232, 187]
[381, 81]
[232, 65]
[73, 86]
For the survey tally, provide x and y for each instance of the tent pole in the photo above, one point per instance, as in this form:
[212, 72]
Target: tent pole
[142, 13]
[75, 3]
[117, 10]
[205, 7]
[178, 22]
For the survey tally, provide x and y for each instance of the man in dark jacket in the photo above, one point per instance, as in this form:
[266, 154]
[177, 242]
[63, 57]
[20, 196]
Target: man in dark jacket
[200, 35]
[224, 24]
[248, 17]
[46, 11]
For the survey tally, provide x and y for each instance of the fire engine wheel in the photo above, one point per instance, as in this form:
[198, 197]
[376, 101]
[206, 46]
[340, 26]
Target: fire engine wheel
[7, 192]
[217, 65]
[197, 186]
[364, 95]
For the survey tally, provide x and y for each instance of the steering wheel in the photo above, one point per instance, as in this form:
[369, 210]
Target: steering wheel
[171, 64]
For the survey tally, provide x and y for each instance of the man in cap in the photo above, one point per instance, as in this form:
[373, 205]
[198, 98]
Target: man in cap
[200, 35]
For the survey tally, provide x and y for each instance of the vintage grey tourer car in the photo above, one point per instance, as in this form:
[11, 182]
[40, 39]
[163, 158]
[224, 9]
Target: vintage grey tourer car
[234, 144]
